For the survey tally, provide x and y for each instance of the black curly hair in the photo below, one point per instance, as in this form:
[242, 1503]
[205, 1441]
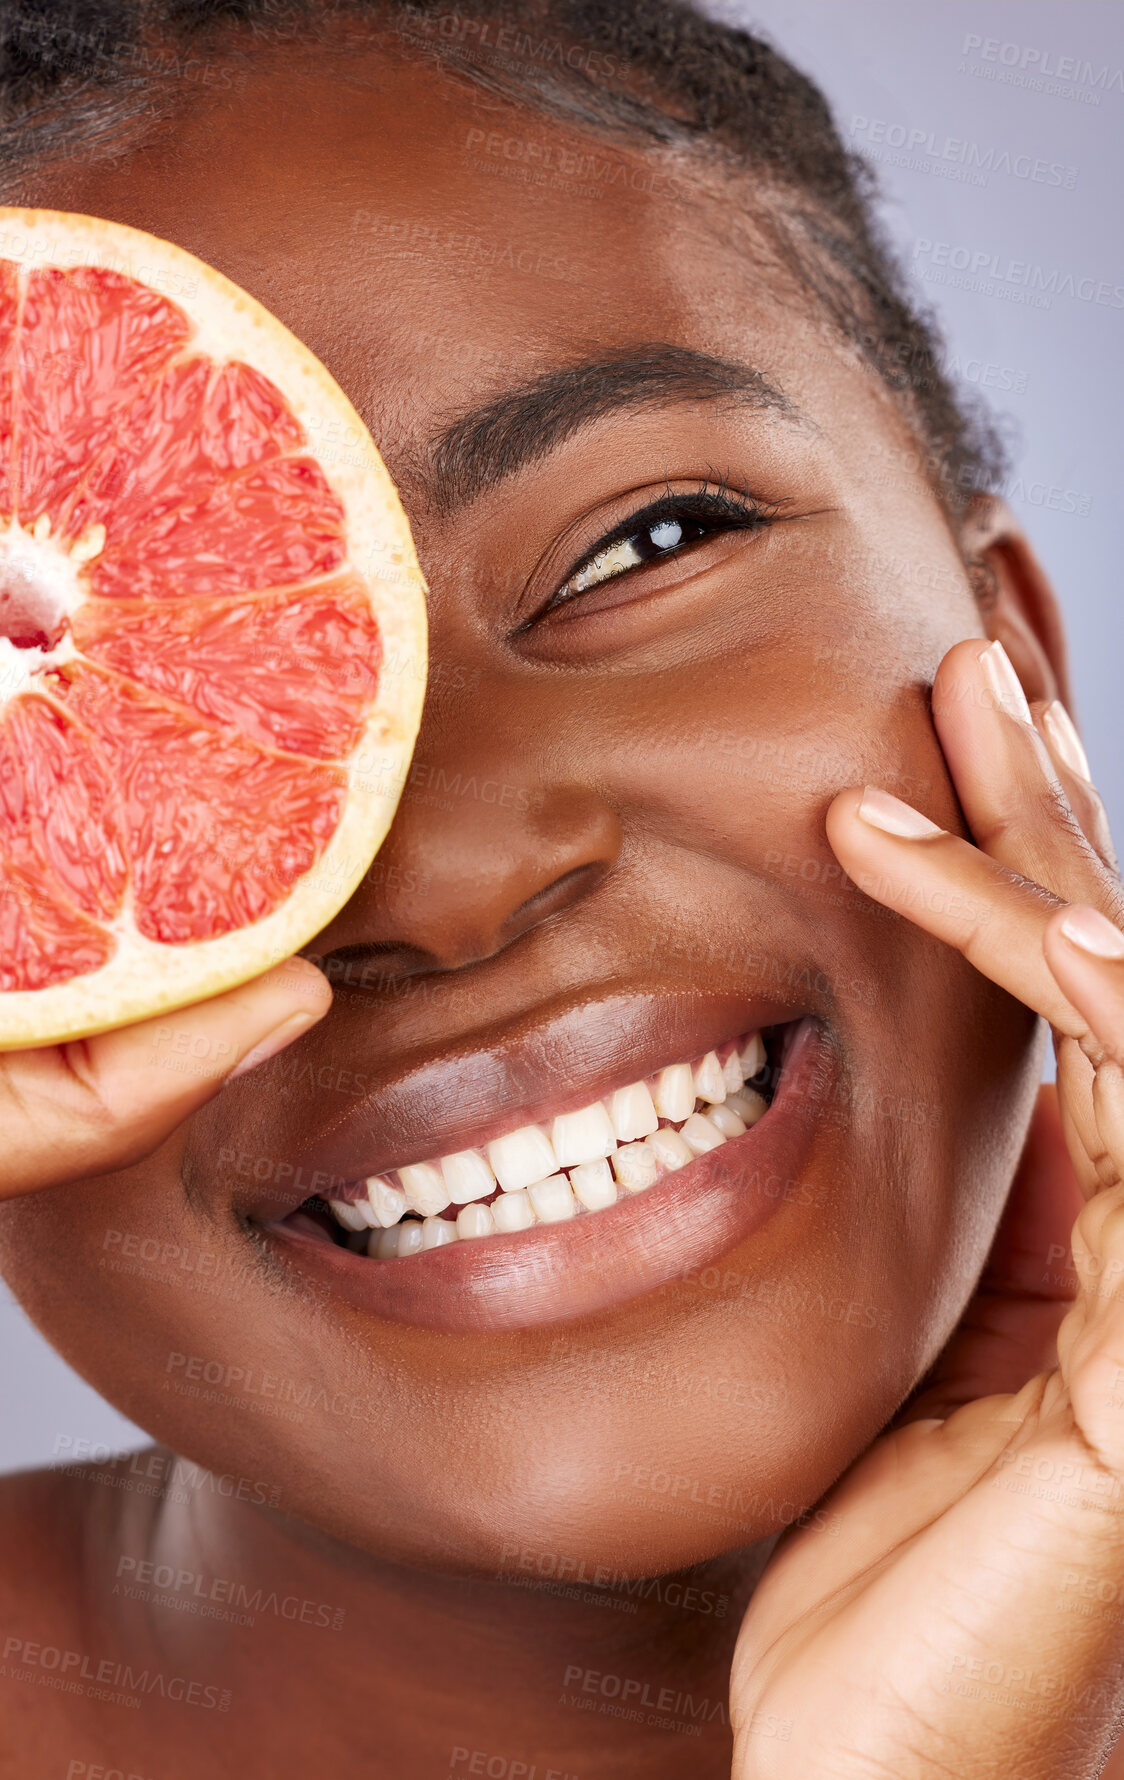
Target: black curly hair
[73, 73]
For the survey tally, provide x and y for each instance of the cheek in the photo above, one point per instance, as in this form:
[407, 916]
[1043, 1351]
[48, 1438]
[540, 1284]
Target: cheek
[745, 783]
[738, 752]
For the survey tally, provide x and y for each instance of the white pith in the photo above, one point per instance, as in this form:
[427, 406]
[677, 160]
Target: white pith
[721, 1105]
[57, 575]
[19, 668]
[145, 977]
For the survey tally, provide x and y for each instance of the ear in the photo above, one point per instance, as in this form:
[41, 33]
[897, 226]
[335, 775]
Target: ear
[1017, 603]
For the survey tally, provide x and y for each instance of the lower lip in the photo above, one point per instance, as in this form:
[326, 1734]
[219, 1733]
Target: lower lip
[599, 1260]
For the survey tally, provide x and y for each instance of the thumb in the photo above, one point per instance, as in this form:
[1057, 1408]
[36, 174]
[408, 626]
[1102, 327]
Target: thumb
[80, 1109]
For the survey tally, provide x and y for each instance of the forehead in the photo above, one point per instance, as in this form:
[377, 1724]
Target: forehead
[429, 241]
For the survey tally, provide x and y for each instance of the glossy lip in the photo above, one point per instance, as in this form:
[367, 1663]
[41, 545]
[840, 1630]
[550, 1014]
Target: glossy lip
[602, 1259]
[525, 1074]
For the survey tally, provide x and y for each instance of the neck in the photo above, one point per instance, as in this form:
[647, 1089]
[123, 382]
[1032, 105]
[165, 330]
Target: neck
[326, 1651]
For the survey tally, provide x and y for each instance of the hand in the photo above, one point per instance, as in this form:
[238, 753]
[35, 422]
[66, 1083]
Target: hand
[71, 1111]
[934, 1635]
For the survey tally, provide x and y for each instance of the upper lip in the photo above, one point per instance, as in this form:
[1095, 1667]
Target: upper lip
[491, 1082]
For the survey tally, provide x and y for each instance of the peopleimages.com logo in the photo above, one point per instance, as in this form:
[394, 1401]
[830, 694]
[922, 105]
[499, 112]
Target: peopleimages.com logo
[930, 150]
[1032, 69]
[982, 268]
[1030, 58]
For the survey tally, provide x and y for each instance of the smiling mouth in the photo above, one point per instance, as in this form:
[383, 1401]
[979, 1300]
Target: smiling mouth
[625, 1230]
[577, 1164]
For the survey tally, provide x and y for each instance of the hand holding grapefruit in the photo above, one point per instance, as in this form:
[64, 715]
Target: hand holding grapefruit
[70, 1112]
[212, 633]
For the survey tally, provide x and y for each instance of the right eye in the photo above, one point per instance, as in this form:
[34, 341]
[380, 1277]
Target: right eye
[663, 528]
[657, 539]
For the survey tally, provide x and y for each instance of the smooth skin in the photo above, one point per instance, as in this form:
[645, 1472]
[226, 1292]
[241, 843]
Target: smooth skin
[670, 745]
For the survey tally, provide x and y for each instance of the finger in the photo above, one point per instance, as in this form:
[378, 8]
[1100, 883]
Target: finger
[1090, 1346]
[1057, 729]
[954, 891]
[1086, 955]
[72, 1111]
[895, 1491]
[1079, 1119]
[1004, 773]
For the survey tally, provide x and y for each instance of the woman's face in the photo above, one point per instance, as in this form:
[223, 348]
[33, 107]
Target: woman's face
[610, 857]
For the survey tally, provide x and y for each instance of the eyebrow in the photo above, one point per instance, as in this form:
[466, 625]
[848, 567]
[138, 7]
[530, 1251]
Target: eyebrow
[483, 446]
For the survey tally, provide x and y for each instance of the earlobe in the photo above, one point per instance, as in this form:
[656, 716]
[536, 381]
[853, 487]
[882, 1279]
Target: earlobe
[1017, 603]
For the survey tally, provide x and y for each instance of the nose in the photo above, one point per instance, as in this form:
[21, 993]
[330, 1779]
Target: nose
[491, 838]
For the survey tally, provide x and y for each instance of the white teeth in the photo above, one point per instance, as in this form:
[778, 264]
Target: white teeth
[512, 1211]
[632, 1112]
[467, 1177]
[552, 1199]
[475, 1220]
[710, 1084]
[438, 1231]
[725, 1119]
[700, 1135]
[585, 1136]
[522, 1157]
[594, 1185]
[410, 1238]
[748, 1104]
[425, 1189]
[348, 1213]
[674, 1095]
[668, 1147]
[752, 1056]
[612, 1146]
[387, 1202]
[635, 1167]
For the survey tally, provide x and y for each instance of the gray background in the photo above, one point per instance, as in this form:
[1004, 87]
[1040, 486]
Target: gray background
[986, 114]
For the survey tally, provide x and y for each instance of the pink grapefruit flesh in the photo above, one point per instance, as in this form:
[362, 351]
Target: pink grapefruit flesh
[212, 633]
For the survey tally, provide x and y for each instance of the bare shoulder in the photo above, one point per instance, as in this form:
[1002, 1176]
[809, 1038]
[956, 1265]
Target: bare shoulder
[40, 1515]
[53, 1525]
[41, 1532]
[57, 1524]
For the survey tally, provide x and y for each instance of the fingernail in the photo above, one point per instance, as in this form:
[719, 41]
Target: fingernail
[893, 816]
[1003, 682]
[272, 1043]
[1065, 740]
[1092, 932]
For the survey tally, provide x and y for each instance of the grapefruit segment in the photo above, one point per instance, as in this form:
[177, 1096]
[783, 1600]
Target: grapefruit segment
[71, 809]
[293, 671]
[273, 525]
[217, 831]
[9, 313]
[212, 634]
[198, 423]
[90, 343]
[43, 938]
[42, 942]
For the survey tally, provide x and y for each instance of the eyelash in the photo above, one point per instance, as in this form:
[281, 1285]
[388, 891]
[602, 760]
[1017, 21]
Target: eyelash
[726, 508]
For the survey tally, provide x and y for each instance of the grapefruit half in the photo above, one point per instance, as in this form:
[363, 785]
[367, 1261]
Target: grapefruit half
[212, 633]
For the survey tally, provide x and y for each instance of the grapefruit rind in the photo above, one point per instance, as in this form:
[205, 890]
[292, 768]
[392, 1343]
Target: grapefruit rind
[145, 978]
